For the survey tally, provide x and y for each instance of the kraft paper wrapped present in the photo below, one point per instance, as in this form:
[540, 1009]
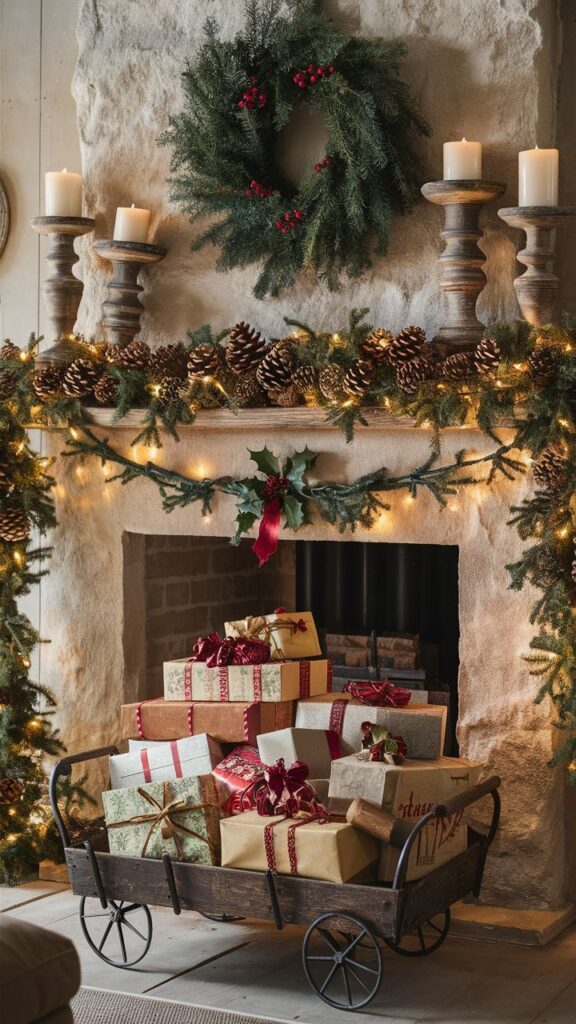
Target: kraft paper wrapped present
[422, 726]
[333, 851]
[408, 791]
[291, 635]
[317, 748]
[320, 787]
[226, 723]
[186, 679]
[180, 817]
[237, 775]
[178, 759]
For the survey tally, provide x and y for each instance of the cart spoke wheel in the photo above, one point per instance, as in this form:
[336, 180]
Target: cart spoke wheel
[342, 961]
[116, 939]
[225, 918]
[425, 939]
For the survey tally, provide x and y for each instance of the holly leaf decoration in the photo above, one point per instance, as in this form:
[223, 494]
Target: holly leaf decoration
[244, 523]
[293, 510]
[297, 466]
[266, 462]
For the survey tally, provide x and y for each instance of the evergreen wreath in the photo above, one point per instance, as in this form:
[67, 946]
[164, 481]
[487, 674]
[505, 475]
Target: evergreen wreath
[239, 95]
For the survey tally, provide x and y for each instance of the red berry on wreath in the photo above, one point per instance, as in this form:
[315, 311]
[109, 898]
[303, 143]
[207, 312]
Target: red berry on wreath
[320, 71]
[330, 70]
[298, 214]
[241, 103]
[286, 216]
[313, 79]
[317, 167]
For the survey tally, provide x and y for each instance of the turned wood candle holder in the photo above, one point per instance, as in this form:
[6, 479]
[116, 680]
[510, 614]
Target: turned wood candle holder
[462, 278]
[537, 286]
[123, 309]
[62, 292]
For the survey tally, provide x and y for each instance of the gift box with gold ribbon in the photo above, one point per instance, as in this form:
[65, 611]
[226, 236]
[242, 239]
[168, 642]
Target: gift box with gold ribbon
[291, 635]
[180, 817]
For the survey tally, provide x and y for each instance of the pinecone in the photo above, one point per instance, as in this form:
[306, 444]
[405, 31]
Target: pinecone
[47, 383]
[331, 382]
[550, 468]
[9, 351]
[203, 361]
[286, 397]
[376, 346]
[6, 475]
[305, 378]
[79, 378]
[168, 361]
[457, 366]
[247, 392]
[487, 356]
[542, 364]
[274, 372]
[409, 376]
[7, 384]
[358, 378]
[246, 348]
[106, 390]
[14, 525]
[406, 345]
[133, 356]
[10, 790]
[548, 567]
[169, 390]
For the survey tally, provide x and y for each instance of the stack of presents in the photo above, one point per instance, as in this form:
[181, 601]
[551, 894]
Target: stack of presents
[252, 761]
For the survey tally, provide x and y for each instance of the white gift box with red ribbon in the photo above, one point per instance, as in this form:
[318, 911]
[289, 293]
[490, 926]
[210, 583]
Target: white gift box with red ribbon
[186, 679]
[155, 762]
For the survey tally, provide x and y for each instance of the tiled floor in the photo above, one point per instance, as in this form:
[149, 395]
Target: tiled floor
[249, 967]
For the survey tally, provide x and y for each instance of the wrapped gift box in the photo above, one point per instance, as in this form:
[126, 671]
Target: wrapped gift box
[422, 726]
[334, 851]
[236, 776]
[194, 755]
[320, 787]
[186, 679]
[284, 643]
[226, 723]
[408, 791]
[136, 827]
[317, 748]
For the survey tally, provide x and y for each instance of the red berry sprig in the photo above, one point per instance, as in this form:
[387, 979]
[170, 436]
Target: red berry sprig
[289, 221]
[258, 190]
[322, 164]
[312, 75]
[253, 98]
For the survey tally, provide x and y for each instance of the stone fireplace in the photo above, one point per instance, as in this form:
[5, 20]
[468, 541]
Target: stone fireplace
[112, 620]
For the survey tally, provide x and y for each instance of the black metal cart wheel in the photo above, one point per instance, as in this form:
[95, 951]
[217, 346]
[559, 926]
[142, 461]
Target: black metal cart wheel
[425, 939]
[221, 918]
[121, 934]
[342, 961]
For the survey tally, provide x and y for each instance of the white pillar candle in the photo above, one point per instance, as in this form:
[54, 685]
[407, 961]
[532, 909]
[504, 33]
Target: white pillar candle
[63, 194]
[462, 161]
[538, 177]
[131, 224]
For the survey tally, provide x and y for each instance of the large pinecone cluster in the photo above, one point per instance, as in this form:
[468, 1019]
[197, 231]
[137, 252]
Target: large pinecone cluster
[246, 349]
[133, 356]
[331, 382]
[542, 363]
[79, 378]
[376, 347]
[550, 468]
[409, 376]
[406, 345]
[203, 361]
[10, 790]
[14, 525]
[274, 372]
[168, 361]
[47, 383]
[357, 378]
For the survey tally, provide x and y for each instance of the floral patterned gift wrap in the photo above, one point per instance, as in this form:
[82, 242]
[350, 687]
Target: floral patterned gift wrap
[180, 817]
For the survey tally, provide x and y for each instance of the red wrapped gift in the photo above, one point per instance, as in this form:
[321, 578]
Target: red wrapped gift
[238, 774]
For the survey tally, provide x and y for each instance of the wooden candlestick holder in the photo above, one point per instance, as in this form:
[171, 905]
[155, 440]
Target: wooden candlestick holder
[537, 286]
[62, 292]
[462, 278]
[123, 309]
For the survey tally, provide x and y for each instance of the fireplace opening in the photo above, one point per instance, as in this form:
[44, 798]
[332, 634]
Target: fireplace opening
[382, 610]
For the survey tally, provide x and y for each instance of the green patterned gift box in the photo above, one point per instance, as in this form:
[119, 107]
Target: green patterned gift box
[180, 817]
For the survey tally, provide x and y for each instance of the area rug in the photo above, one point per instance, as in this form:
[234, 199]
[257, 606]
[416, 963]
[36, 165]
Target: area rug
[100, 1006]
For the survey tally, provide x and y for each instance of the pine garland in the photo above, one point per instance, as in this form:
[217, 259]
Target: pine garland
[239, 95]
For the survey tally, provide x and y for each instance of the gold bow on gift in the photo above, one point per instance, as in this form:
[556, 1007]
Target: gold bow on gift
[258, 625]
[164, 815]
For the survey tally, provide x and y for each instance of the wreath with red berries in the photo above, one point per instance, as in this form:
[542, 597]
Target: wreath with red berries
[240, 94]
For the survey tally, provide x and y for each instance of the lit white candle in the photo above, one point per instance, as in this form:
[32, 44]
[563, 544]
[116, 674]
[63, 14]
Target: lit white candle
[131, 224]
[538, 177]
[462, 161]
[63, 194]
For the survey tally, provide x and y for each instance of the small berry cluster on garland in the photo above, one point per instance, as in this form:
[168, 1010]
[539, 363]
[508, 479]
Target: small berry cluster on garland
[240, 95]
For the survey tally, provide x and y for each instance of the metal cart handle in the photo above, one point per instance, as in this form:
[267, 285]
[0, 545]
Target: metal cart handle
[64, 767]
[445, 810]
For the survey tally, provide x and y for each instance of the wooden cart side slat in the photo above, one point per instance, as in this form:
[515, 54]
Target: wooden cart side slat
[447, 884]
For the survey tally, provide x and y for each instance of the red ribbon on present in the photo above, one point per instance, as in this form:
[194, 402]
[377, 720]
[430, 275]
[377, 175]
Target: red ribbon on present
[286, 792]
[267, 540]
[218, 652]
[379, 693]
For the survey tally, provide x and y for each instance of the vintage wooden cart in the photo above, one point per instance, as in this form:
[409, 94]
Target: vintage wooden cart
[341, 952]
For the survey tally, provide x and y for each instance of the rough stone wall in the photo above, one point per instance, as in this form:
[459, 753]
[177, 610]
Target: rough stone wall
[484, 69]
[194, 585]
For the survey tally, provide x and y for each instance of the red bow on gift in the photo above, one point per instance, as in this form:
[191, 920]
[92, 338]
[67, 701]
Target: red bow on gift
[379, 693]
[285, 791]
[241, 650]
[383, 746]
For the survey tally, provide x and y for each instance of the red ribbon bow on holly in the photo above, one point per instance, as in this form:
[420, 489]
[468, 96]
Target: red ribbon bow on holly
[286, 792]
[383, 746]
[267, 540]
[379, 693]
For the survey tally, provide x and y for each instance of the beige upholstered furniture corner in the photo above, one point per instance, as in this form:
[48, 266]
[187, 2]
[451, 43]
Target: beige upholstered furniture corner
[39, 974]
